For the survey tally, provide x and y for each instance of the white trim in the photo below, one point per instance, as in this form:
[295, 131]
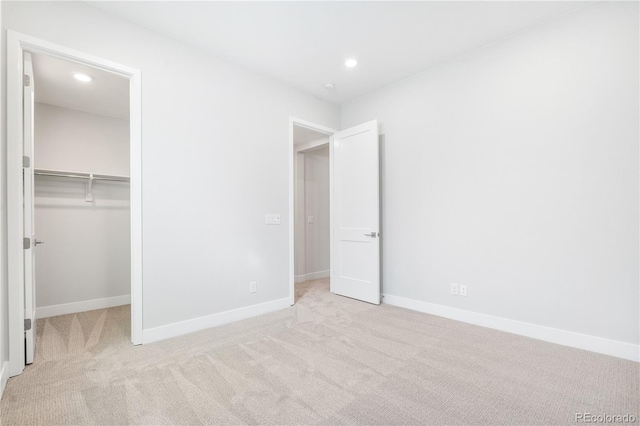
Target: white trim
[16, 44]
[15, 257]
[189, 326]
[85, 305]
[312, 126]
[548, 334]
[312, 276]
[3, 303]
[4, 377]
[135, 195]
[292, 188]
[332, 213]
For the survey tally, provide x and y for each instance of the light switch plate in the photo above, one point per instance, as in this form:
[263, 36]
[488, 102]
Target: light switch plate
[272, 219]
[310, 220]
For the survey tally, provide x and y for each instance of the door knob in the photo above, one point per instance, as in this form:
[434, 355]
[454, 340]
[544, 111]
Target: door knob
[372, 234]
[36, 242]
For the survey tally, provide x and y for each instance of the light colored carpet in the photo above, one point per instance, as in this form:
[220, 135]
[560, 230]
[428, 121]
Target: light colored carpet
[327, 360]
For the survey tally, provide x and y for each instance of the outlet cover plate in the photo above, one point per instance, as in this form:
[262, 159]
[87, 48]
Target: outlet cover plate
[463, 290]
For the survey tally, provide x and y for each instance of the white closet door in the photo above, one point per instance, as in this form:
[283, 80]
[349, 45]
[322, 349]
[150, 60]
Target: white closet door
[356, 213]
[29, 220]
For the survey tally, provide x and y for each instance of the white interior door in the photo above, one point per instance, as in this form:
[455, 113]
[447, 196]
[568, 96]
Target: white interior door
[356, 213]
[29, 219]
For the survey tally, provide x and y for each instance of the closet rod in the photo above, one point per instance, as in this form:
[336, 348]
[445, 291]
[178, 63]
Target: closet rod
[80, 175]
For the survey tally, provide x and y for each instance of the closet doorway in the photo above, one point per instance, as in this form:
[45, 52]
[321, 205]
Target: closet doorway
[74, 197]
[81, 196]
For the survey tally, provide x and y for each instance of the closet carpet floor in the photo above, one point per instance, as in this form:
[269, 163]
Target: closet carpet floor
[326, 360]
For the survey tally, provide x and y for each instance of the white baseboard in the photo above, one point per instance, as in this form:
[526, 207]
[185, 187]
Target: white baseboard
[4, 376]
[312, 276]
[197, 324]
[548, 334]
[85, 305]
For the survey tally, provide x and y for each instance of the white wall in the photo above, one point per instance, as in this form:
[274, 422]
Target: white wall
[514, 170]
[86, 255]
[67, 139]
[209, 172]
[316, 172]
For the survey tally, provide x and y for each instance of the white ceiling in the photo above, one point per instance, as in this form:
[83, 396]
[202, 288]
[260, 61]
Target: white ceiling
[54, 84]
[305, 44]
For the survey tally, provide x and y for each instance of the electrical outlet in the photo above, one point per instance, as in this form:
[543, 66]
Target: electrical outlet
[463, 290]
[253, 286]
[454, 289]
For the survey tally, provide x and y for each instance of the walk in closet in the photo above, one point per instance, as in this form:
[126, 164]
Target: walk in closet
[81, 188]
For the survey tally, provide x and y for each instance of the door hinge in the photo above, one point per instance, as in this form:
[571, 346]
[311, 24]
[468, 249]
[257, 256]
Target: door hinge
[26, 80]
[27, 324]
[26, 243]
[26, 161]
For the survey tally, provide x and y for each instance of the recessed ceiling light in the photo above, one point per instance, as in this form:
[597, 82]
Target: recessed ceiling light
[85, 78]
[350, 63]
[329, 86]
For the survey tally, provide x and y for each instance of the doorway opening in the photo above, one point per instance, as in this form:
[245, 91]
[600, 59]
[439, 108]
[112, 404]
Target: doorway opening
[309, 203]
[354, 208]
[81, 200]
[74, 171]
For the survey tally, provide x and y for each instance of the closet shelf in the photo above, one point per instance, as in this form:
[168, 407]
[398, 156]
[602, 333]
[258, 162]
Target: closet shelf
[90, 177]
[80, 175]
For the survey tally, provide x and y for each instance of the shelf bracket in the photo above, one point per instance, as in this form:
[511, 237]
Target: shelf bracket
[89, 193]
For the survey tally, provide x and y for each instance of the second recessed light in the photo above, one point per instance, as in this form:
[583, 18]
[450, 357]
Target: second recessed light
[350, 63]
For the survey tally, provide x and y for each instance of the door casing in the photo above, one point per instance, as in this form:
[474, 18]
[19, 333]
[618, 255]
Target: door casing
[17, 43]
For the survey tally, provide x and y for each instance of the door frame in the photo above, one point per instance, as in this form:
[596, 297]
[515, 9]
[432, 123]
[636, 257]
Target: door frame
[292, 175]
[17, 43]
